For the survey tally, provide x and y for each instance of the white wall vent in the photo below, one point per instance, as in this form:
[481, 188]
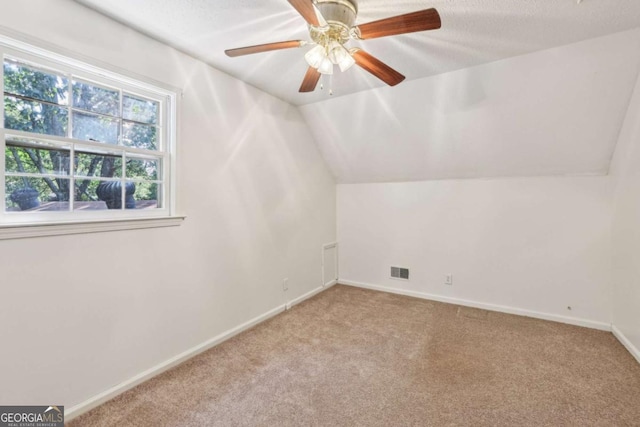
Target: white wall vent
[399, 273]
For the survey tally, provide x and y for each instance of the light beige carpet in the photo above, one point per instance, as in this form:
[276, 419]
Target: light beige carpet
[352, 357]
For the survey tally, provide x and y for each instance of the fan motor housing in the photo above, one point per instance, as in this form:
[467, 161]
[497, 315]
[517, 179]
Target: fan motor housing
[342, 12]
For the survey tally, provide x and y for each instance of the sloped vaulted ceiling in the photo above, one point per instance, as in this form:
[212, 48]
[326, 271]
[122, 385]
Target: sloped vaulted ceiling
[505, 88]
[555, 112]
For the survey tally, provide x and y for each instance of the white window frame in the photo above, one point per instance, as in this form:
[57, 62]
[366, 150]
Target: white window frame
[30, 224]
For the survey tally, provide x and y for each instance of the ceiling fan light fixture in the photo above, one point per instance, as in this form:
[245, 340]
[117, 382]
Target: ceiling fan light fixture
[346, 62]
[316, 56]
[331, 25]
[336, 51]
[340, 56]
[326, 67]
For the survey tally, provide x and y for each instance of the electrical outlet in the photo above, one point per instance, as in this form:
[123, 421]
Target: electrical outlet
[448, 280]
[285, 284]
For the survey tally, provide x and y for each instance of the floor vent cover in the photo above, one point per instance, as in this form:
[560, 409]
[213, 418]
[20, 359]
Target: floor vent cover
[400, 273]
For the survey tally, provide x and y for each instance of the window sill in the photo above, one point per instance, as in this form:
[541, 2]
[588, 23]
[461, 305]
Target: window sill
[23, 231]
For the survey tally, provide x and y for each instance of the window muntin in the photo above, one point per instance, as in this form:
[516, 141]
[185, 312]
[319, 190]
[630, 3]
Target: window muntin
[78, 144]
[34, 83]
[140, 110]
[95, 99]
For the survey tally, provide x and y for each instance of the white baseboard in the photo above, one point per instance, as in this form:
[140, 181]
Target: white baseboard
[109, 394]
[626, 343]
[310, 294]
[330, 284]
[491, 307]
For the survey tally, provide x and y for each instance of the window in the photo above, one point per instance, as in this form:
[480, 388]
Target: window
[82, 143]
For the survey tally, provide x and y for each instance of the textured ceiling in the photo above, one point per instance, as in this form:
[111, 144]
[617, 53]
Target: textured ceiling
[473, 32]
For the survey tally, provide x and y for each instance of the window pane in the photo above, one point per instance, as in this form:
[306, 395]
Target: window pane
[32, 83]
[139, 136]
[95, 128]
[142, 168]
[110, 192]
[96, 99]
[24, 156]
[146, 195]
[36, 194]
[36, 117]
[86, 197]
[97, 164]
[140, 110]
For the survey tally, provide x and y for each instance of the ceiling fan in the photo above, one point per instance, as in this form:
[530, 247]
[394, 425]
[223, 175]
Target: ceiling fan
[331, 26]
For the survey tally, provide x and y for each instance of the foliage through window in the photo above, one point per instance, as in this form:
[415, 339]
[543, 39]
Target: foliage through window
[78, 143]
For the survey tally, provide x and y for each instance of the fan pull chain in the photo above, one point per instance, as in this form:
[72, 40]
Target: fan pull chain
[323, 78]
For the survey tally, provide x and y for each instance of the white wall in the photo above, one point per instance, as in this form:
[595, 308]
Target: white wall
[625, 172]
[532, 244]
[82, 313]
[553, 112]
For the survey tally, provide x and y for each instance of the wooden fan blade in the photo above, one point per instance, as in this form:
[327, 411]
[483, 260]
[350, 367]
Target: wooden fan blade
[307, 10]
[263, 48]
[377, 67]
[422, 20]
[310, 80]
